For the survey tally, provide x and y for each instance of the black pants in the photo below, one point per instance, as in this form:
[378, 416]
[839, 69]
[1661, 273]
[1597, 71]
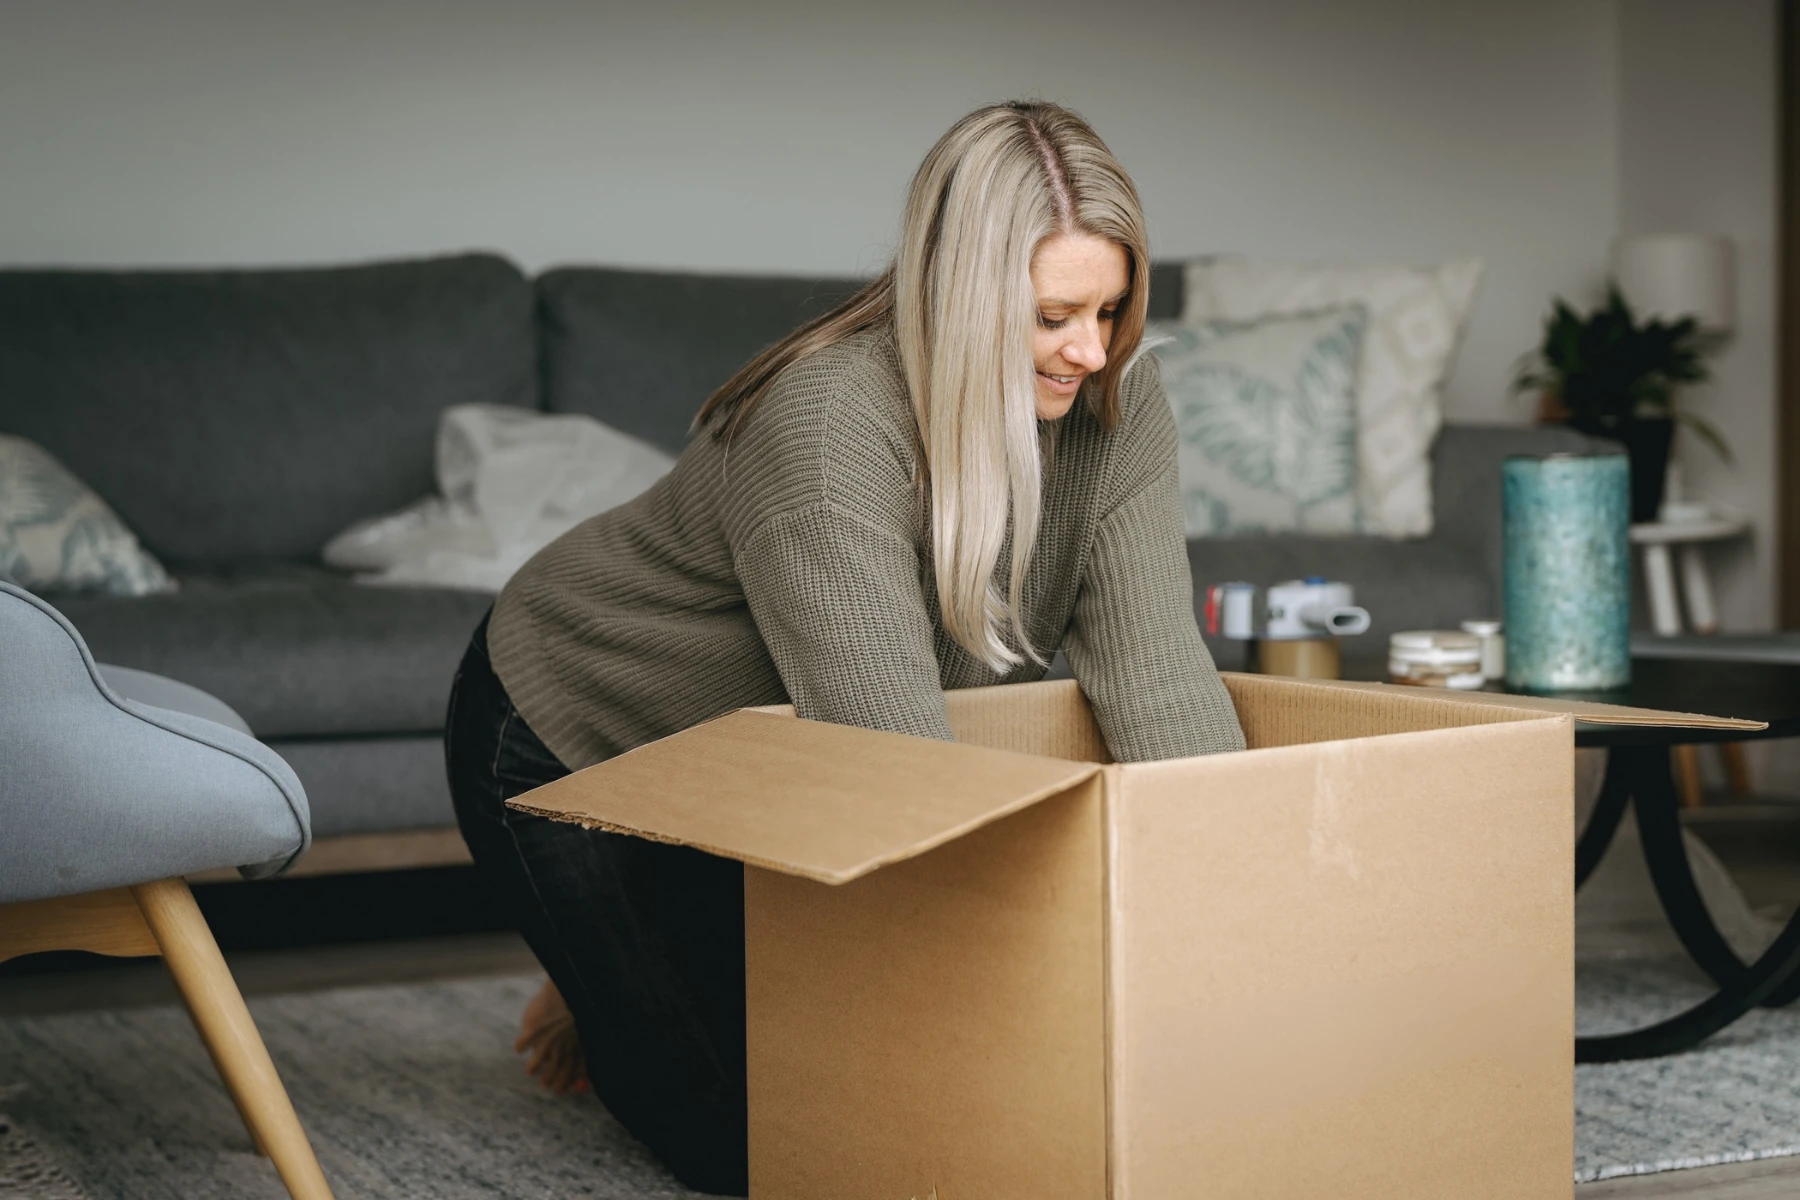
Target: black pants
[644, 940]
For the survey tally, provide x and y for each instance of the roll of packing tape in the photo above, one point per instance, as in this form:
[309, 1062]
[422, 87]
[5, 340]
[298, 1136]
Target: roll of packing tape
[1302, 658]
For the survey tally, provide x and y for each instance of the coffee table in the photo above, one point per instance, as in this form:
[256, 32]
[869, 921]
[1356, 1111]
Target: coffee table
[1638, 774]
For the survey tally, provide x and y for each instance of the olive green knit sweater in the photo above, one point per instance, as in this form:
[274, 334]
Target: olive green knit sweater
[795, 566]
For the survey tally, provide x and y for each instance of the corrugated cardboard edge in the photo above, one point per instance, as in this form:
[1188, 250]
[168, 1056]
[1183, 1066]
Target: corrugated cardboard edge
[1112, 784]
[1019, 804]
[1079, 773]
[1061, 717]
[1585, 712]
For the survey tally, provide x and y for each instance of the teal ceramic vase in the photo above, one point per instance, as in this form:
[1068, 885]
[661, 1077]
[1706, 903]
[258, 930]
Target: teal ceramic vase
[1567, 550]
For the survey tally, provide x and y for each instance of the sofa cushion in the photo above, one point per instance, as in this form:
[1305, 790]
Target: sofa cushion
[372, 784]
[642, 350]
[252, 414]
[298, 651]
[1167, 287]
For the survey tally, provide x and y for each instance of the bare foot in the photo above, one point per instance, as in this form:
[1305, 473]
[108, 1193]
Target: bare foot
[547, 1034]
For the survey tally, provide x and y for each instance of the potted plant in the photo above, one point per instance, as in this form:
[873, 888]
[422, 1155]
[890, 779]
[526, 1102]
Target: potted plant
[1607, 375]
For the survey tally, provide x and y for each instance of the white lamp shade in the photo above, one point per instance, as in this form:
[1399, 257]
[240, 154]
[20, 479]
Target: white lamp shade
[1675, 275]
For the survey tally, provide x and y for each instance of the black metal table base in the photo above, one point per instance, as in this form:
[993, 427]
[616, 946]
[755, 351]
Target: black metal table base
[1640, 774]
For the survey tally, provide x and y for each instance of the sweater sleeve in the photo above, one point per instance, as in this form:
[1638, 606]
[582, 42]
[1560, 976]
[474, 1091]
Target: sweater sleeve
[1133, 643]
[837, 601]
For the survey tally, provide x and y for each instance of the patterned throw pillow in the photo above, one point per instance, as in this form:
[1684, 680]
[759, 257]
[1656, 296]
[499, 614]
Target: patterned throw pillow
[1416, 319]
[1266, 414]
[57, 535]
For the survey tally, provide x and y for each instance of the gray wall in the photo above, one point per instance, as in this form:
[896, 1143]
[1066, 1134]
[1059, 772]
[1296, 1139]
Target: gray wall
[1698, 153]
[779, 135]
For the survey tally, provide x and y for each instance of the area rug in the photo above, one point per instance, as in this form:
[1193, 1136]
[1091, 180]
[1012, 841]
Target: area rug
[409, 1093]
[412, 1093]
[1732, 1099]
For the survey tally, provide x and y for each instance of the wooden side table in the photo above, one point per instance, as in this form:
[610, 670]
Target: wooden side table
[1658, 539]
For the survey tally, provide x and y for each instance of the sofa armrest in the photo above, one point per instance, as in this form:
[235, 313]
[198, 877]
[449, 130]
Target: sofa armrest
[1466, 466]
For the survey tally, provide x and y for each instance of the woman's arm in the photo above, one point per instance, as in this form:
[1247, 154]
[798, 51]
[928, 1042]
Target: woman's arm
[838, 604]
[821, 520]
[1133, 644]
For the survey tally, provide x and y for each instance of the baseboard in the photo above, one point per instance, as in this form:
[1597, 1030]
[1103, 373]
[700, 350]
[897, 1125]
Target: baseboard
[351, 853]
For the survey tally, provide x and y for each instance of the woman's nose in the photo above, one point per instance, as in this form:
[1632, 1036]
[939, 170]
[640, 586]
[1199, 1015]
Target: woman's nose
[1086, 350]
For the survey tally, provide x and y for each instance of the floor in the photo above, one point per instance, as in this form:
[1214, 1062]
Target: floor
[140, 982]
[1760, 843]
[423, 925]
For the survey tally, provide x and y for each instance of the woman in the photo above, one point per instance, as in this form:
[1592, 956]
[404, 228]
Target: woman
[932, 487]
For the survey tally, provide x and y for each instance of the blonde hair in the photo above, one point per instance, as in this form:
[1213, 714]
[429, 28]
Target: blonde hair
[959, 296]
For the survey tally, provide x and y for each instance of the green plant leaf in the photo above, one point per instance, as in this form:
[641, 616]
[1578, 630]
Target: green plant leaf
[1608, 370]
[1708, 433]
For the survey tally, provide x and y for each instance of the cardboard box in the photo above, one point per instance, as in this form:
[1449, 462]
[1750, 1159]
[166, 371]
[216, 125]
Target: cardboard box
[1338, 964]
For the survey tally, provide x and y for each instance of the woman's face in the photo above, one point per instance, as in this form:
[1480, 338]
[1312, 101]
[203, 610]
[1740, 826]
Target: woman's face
[1080, 281]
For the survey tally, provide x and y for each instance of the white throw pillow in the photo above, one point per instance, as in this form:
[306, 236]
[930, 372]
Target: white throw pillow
[1266, 415]
[510, 481]
[1416, 319]
[57, 535]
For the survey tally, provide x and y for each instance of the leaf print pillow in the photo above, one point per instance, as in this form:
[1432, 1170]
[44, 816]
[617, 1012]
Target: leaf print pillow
[1415, 320]
[57, 535]
[1266, 415]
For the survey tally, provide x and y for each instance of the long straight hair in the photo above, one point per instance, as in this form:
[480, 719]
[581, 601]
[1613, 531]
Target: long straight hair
[959, 297]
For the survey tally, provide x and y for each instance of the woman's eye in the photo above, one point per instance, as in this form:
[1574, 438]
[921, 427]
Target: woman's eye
[1047, 323]
[1107, 314]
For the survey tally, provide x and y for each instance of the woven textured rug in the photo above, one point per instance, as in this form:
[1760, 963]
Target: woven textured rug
[1732, 1099]
[409, 1093]
[412, 1092]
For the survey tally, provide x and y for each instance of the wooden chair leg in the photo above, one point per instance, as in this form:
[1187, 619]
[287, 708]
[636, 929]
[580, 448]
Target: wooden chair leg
[1686, 761]
[225, 1026]
[1737, 767]
[230, 1080]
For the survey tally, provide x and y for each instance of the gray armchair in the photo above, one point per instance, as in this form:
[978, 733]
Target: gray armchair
[114, 784]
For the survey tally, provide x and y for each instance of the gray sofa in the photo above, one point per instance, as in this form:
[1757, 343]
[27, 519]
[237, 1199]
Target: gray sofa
[236, 420]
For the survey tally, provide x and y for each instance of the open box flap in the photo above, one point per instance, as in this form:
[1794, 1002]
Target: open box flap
[1585, 712]
[827, 802]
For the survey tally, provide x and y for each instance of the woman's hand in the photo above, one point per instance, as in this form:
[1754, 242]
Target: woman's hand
[547, 1034]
